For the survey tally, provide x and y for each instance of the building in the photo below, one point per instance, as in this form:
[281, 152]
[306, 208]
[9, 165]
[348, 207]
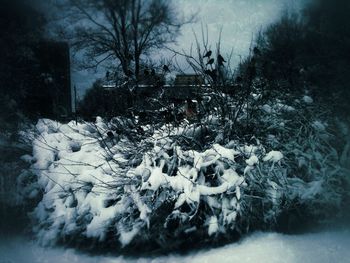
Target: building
[189, 80]
[185, 94]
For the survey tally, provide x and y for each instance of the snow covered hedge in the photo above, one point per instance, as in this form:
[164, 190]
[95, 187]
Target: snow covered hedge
[99, 185]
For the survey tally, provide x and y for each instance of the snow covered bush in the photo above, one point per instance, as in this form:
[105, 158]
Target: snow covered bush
[122, 185]
[314, 147]
[167, 194]
[102, 186]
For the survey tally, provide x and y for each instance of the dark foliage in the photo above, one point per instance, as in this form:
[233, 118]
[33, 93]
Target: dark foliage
[93, 102]
[21, 28]
[99, 101]
[309, 51]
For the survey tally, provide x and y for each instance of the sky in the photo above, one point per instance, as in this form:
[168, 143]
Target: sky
[240, 20]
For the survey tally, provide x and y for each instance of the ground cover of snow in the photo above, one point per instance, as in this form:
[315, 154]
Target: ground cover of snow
[322, 247]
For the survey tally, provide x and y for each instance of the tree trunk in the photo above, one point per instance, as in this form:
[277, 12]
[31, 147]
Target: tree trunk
[137, 67]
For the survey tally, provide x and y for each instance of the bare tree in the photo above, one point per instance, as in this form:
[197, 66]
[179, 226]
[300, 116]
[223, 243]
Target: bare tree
[124, 31]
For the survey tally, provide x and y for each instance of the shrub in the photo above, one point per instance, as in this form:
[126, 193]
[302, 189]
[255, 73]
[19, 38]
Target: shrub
[162, 188]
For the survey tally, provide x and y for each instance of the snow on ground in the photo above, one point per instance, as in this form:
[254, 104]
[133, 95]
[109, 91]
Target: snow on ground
[322, 247]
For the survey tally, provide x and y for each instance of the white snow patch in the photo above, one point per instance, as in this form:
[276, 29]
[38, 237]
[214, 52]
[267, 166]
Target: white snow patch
[307, 99]
[284, 107]
[273, 156]
[267, 108]
[318, 126]
[252, 160]
[323, 247]
[213, 225]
